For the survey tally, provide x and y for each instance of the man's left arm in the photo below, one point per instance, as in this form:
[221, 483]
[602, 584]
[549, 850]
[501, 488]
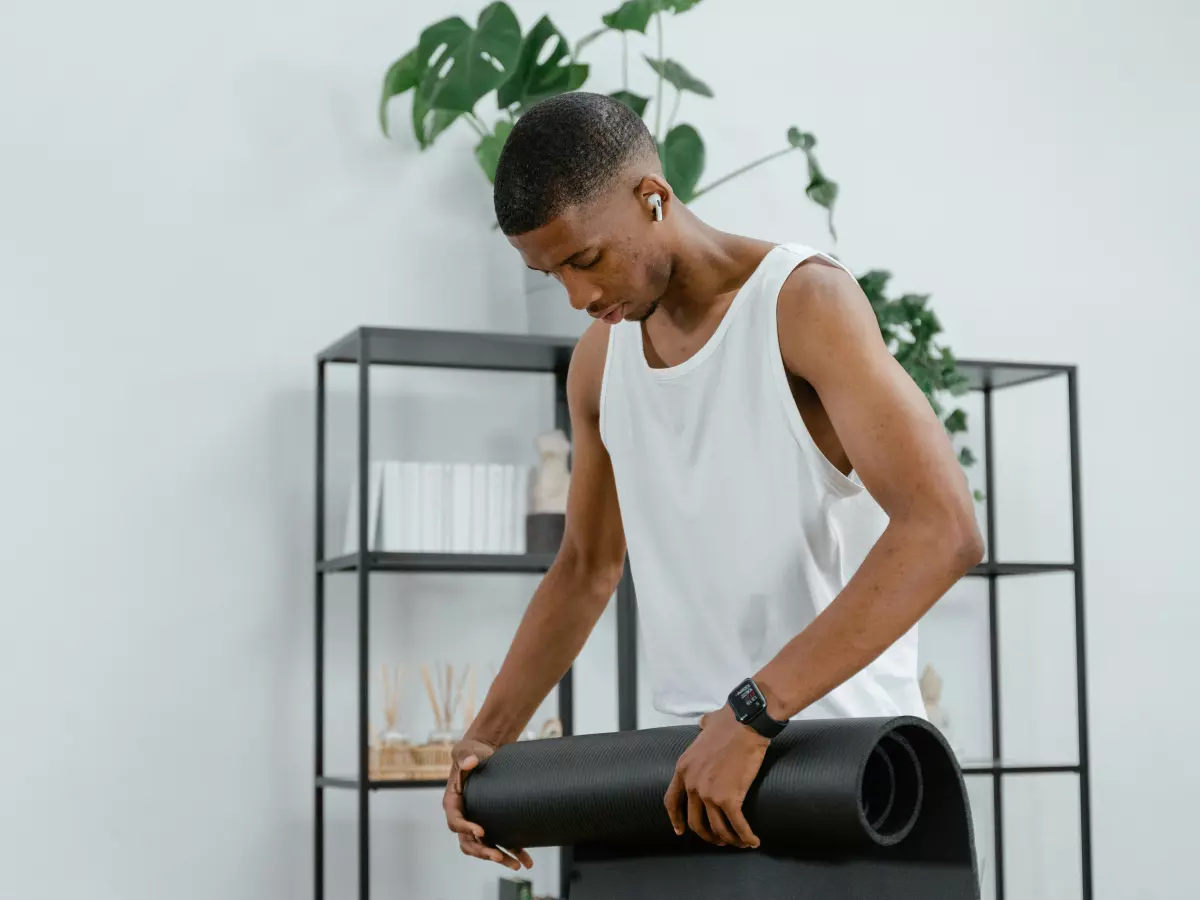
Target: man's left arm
[829, 337]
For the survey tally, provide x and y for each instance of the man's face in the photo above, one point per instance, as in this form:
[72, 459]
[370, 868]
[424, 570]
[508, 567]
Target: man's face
[610, 254]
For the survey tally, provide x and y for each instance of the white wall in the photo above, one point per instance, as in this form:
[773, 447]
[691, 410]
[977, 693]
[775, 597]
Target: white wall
[196, 199]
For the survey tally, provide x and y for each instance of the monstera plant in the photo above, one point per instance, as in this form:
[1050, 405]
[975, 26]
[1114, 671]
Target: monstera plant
[455, 66]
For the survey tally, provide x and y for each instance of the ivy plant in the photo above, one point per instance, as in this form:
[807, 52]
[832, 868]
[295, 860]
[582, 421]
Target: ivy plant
[455, 66]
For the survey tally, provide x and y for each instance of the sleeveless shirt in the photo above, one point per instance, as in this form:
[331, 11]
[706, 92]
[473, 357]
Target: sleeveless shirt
[739, 530]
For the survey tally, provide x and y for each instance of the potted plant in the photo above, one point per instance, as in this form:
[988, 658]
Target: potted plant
[455, 65]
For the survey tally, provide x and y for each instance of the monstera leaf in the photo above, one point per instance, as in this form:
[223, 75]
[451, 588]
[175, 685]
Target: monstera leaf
[682, 154]
[634, 15]
[677, 75]
[537, 75]
[453, 67]
[487, 151]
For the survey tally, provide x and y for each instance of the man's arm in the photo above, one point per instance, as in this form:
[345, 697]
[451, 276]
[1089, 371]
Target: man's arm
[829, 337]
[575, 591]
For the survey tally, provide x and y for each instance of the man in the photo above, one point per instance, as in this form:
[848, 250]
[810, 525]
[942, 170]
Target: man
[722, 403]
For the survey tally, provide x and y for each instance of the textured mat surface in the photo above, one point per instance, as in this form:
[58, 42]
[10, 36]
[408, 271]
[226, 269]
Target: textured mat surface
[844, 808]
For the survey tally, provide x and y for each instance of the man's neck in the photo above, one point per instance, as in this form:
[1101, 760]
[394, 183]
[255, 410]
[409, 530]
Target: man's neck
[708, 265]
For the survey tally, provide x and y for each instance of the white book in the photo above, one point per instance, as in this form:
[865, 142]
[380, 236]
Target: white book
[447, 508]
[461, 504]
[520, 508]
[495, 508]
[507, 533]
[392, 531]
[410, 496]
[374, 499]
[431, 507]
[479, 507]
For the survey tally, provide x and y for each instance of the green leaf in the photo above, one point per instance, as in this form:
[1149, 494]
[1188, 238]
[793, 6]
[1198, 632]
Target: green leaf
[821, 191]
[402, 76]
[980, 496]
[956, 422]
[802, 139]
[428, 124]
[676, 6]
[633, 15]
[682, 153]
[462, 65]
[966, 457]
[487, 151]
[538, 75]
[677, 75]
[634, 101]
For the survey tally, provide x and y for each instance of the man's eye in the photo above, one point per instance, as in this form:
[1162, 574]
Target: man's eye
[590, 263]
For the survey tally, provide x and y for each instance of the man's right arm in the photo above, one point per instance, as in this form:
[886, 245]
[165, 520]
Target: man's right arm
[576, 589]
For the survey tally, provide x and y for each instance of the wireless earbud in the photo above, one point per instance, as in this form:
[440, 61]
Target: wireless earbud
[655, 202]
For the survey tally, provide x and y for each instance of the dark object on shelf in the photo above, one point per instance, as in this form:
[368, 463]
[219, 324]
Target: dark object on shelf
[516, 889]
[544, 532]
[551, 356]
[871, 807]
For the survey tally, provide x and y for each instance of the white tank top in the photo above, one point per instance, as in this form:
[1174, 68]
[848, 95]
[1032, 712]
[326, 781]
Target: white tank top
[739, 530]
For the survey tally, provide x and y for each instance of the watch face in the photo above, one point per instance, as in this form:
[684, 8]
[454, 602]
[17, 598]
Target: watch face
[747, 701]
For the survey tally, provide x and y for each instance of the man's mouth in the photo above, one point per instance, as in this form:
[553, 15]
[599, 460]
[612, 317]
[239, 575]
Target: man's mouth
[612, 315]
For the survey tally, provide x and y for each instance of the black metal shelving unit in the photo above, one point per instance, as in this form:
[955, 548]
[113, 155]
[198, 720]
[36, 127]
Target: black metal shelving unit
[367, 347]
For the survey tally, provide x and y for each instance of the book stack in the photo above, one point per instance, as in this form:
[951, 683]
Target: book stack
[441, 507]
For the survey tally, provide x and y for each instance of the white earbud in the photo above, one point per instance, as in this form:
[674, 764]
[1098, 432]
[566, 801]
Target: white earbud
[656, 203]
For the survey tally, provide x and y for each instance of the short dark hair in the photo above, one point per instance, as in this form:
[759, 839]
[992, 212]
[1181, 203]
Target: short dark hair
[562, 152]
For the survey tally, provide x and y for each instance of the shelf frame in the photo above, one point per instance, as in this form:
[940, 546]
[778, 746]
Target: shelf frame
[370, 346]
[365, 348]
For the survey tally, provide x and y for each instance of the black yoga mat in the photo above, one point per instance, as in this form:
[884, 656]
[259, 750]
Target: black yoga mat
[845, 809]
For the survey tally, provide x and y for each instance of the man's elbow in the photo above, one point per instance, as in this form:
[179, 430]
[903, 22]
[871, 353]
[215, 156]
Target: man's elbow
[964, 541]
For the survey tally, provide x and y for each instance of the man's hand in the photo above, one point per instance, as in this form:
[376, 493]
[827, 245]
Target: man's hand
[468, 755]
[711, 780]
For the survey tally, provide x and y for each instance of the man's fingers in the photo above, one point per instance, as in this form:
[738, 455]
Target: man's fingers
[523, 856]
[716, 821]
[482, 851]
[697, 820]
[738, 821]
[673, 801]
[460, 825]
[452, 803]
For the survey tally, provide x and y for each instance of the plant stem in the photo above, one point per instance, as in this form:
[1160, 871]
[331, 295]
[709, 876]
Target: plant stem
[674, 110]
[474, 122]
[661, 64]
[742, 170]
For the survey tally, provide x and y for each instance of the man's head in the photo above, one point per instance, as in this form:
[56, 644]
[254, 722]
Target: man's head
[573, 193]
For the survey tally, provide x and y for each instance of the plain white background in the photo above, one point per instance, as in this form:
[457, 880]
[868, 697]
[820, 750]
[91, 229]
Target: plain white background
[195, 199]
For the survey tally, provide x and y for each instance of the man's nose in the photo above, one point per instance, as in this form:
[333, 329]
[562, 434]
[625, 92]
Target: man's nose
[581, 292]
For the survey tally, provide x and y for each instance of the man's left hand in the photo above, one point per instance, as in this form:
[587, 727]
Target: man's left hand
[711, 780]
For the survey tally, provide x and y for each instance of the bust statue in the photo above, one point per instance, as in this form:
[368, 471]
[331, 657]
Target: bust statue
[553, 478]
[931, 693]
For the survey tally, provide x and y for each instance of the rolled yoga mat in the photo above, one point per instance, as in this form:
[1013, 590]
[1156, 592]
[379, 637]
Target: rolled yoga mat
[845, 809]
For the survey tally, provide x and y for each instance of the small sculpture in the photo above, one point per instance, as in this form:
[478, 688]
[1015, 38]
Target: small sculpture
[553, 478]
[931, 693]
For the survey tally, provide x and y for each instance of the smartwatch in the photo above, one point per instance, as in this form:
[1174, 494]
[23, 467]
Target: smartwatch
[750, 708]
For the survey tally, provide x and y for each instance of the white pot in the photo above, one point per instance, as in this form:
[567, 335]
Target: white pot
[548, 309]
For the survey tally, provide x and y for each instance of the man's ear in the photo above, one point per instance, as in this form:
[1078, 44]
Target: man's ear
[648, 187]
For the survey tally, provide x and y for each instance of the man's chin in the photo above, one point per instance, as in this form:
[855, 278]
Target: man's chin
[644, 314]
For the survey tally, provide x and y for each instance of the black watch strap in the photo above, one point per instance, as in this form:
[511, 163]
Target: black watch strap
[750, 708]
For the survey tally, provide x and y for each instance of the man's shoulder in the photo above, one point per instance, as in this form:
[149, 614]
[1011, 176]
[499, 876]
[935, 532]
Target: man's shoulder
[821, 305]
[586, 372]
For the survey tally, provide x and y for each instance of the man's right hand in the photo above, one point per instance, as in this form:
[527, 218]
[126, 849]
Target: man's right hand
[468, 755]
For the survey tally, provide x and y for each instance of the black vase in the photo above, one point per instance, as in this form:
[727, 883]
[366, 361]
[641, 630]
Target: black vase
[544, 532]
